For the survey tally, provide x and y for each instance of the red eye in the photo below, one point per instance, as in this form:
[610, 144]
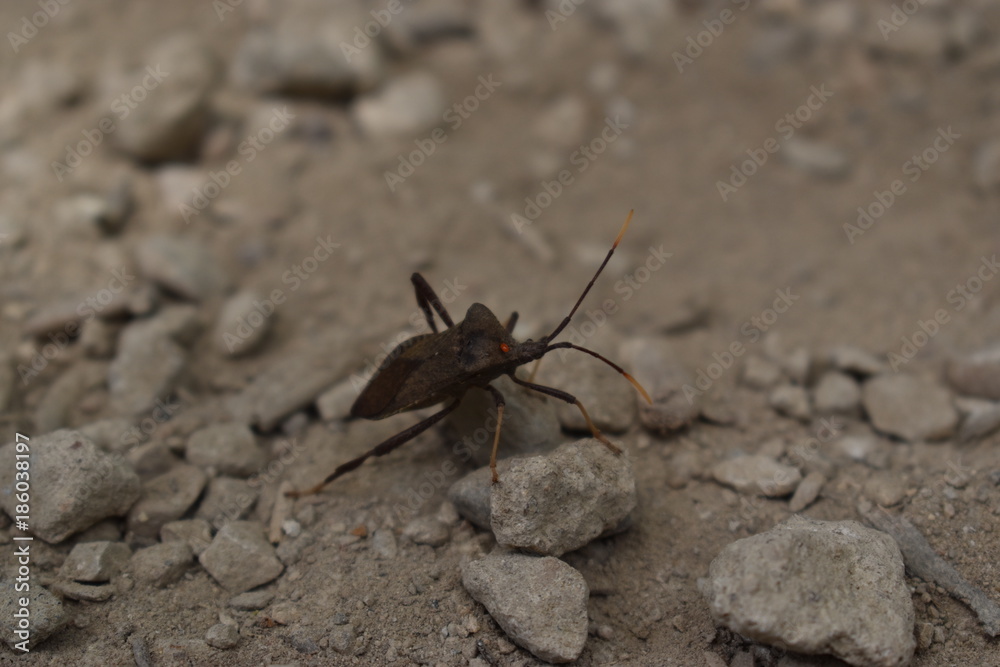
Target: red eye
[504, 347]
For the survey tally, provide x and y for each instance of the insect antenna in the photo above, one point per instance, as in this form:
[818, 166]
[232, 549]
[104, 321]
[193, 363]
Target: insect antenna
[628, 376]
[562, 325]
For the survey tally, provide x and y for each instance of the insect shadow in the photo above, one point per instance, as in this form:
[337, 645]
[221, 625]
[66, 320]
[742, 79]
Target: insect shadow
[442, 366]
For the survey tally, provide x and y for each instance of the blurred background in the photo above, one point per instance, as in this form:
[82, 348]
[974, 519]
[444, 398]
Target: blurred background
[826, 173]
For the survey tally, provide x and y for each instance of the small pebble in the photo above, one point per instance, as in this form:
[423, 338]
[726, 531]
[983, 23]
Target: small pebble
[807, 491]
[407, 105]
[540, 602]
[182, 265]
[243, 323]
[816, 158]
[856, 361]
[95, 562]
[427, 530]
[760, 373]
[231, 449]
[240, 557]
[384, 544]
[758, 475]
[161, 564]
[910, 408]
[251, 600]
[165, 498]
[145, 369]
[227, 499]
[791, 401]
[47, 612]
[84, 592]
[342, 638]
[223, 636]
[196, 533]
[836, 392]
[977, 375]
[885, 488]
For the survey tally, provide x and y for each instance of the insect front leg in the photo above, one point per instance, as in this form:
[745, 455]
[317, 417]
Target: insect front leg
[427, 298]
[569, 398]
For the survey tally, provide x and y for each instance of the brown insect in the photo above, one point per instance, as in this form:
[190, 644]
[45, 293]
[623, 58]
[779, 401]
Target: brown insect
[441, 366]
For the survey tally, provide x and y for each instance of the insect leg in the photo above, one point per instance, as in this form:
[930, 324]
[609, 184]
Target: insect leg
[379, 450]
[498, 400]
[569, 398]
[427, 298]
[511, 322]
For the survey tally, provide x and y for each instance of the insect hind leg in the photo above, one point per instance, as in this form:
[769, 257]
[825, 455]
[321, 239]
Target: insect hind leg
[569, 398]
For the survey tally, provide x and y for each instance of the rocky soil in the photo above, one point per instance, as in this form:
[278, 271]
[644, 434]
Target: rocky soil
[209, 216]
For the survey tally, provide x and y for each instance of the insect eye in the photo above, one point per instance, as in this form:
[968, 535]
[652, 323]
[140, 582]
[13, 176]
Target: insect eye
[504, 347]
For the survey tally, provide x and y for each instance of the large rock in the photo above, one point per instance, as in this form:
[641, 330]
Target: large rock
[541, 603]
[910, 408]
[73, 484]
[561, 501]
[817, 587]
[46, 614]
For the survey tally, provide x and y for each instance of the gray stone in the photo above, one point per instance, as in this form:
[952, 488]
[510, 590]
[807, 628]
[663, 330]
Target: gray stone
[816, 158]
[301, 54]
[242, 324]
[406, 106]
[979, 421]
[63, 395]
[223, 636]
[856, 361]
[169, 123]
[909, 408]
[165, 498]
[471, 494]
[82, 484]
[986, 166]
[145, 369]
[84, 592]
[342, 638]
[836, 392]
[95, 562]
[8, 376]
[885, 488]
[807, 491]
[240, 557]
[817, 587]
[540, 602]
[427, 530]
[109, 434]
[384, 544]
[46, 615]
[336, 402]
[251, 600]
[792, 401]
[977, 374]
[230, 448]
[98, 338]
[196, 533]
[760, 373]
[530, 424]
[227, 499]
[182, 265]
[757, 474]
[559, 502]
[664, 379]
[161, 564]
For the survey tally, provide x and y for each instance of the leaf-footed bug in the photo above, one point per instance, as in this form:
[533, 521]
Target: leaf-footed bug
[441, 366]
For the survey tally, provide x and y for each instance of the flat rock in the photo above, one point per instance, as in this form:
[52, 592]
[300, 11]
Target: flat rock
[169, 122]
[757, 474]
[230, 448]
[161, 564]
[84, 592]
[856, 361]
[95, 562]
[836, 392]
[540, 602]
[181, 265]
[165, 498]
[530, 424]
[240, 557]
[559, 502]
[909, 408]
[977, 375]
[82, 484]
[47, 615]
[817, 587]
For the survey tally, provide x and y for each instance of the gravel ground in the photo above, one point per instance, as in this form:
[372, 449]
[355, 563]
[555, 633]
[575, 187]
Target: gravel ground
[210, 214]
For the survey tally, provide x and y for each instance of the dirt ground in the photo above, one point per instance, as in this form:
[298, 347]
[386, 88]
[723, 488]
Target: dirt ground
[680, 127]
